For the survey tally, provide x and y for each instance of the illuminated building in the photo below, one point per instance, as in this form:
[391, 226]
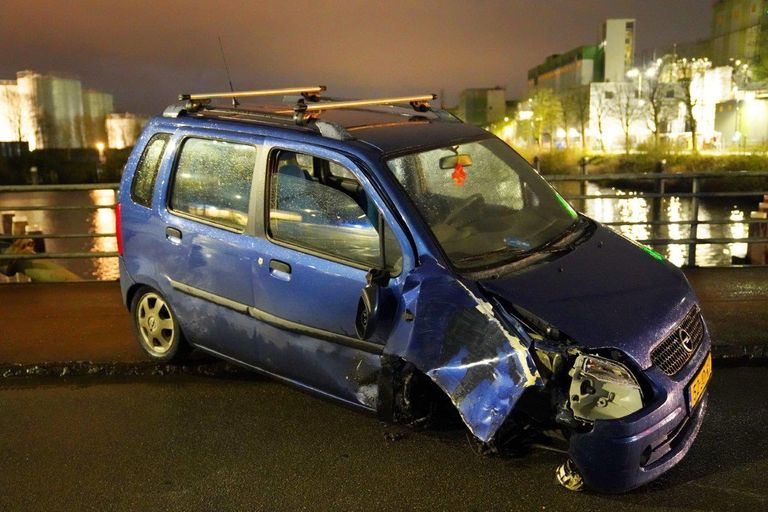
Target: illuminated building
[10, 112]
[619, 47]
[52, 111]
[123, 129]
[580, 66]
[743, 120]
[96, 106]
[482, 106]
[607, 61]
[737, 29]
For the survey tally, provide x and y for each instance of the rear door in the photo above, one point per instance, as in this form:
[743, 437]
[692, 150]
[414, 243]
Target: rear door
[208, 247]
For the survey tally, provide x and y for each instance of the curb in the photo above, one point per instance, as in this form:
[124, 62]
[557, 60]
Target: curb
[723, 355]
[734, 352]
[138, 369]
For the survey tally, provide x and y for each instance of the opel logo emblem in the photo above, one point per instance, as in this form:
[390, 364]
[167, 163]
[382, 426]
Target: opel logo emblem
[685, 340]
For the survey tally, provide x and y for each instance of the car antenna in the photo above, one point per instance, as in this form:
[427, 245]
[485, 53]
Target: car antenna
[235, 103]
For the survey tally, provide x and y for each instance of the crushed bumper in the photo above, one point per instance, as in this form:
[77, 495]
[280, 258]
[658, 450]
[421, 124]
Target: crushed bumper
[619, 455]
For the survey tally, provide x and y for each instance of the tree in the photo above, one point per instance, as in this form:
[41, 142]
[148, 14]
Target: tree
[547, 114]
[687, 73]
[10, 97]
[657, 94]
[627, 108]
[599, 109]
[576, 111]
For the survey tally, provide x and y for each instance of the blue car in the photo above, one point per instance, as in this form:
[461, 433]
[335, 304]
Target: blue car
[388, 256]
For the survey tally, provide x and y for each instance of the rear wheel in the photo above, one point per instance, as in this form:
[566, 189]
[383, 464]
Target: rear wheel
[156, 328]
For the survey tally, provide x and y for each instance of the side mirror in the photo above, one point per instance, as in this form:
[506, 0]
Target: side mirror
[370, 303]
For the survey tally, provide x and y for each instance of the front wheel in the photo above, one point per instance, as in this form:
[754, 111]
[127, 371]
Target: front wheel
[156, 328]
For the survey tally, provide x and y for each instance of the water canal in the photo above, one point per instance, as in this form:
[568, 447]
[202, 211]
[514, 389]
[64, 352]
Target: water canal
[632, 208]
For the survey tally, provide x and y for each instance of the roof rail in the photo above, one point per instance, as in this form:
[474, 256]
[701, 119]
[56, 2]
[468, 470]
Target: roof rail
[303, 112]
[311, 93]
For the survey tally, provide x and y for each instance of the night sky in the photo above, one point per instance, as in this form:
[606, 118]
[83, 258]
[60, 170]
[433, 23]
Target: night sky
[146, 52]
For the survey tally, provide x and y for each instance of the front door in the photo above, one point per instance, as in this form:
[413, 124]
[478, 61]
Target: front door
[322, 236]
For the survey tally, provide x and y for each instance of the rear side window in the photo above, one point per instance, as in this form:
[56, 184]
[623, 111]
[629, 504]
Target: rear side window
[213, 181]
[146, 171]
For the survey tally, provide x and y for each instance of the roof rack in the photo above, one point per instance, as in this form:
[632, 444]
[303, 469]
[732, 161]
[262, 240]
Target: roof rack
[303, 112]
[311, 93]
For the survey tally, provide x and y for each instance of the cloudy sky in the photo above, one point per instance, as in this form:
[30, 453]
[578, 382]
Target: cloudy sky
[147, 52]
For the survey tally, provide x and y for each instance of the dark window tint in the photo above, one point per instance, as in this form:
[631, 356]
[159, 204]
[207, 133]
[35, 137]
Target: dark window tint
[146, 171]
[319, 205]
[213, 181]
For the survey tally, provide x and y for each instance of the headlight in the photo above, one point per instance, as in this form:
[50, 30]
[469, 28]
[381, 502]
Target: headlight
[602, 389]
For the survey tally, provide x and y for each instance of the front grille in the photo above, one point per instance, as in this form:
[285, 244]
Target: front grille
[671, 354]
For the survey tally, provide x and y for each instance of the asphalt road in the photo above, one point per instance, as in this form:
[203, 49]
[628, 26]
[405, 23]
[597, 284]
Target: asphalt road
[246, 443]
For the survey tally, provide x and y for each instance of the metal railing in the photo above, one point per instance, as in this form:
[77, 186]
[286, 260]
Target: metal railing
[695, 195]
[6, 237]
[660, 192]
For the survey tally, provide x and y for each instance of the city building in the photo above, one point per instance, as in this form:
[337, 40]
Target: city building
[50, 111]
[123, 129]
[10, 112]
[607, 61]
[580, 66]
[619, 46]
[738, 27]
[482, 107]
[741, 120]
[97, 106]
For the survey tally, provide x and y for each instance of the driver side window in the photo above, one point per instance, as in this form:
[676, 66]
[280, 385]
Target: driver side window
[318, 205]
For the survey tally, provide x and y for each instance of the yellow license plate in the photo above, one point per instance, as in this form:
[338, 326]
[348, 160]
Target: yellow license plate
[699, 383]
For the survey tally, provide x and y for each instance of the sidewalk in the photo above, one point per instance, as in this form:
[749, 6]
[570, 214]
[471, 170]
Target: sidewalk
[64, 322]
[43, 323]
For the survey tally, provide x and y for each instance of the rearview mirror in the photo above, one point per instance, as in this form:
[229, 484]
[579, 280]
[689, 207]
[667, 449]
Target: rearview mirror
[450, 162]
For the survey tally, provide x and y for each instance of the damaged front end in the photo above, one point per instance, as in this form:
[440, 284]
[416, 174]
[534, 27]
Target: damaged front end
[515, 380]
[454, 337]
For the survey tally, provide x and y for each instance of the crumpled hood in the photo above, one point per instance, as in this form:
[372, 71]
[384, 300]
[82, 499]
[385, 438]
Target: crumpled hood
[607, 292]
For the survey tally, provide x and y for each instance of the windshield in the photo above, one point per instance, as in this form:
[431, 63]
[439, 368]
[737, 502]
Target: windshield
[484, 203]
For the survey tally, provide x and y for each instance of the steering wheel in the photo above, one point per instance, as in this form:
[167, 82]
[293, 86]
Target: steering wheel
[468, 203]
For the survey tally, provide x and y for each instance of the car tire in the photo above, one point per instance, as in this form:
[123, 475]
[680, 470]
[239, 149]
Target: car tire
[156, 328]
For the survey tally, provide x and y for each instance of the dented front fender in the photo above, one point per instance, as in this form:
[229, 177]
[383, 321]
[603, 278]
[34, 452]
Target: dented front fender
[452, 335]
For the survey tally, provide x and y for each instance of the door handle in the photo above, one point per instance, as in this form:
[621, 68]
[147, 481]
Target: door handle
[280, 270]
[173, 235]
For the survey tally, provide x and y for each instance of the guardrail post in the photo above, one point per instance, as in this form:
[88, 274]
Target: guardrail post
[658, 203]
[694, 223]
[583, 183]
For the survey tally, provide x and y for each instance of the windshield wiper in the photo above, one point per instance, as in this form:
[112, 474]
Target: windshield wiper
[511, 251]
[518, 253]
[553, 245]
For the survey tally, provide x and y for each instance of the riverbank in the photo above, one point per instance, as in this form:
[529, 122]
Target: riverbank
[568, 162]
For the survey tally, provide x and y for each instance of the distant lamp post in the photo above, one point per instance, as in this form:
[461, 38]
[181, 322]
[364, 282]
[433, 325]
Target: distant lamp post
[100, 146]
[635, 73]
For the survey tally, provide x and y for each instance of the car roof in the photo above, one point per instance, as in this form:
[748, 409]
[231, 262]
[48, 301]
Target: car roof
[389, 129]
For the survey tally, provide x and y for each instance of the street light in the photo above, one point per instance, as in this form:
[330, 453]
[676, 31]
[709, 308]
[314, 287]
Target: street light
[100, 146]
[635, 73]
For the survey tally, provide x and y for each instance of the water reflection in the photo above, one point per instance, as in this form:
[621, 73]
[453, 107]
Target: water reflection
[103, 221]
[71, 222]
[675, 252]
[632, 208]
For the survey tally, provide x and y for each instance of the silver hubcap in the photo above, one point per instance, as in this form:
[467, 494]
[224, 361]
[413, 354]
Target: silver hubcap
[155, 324]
